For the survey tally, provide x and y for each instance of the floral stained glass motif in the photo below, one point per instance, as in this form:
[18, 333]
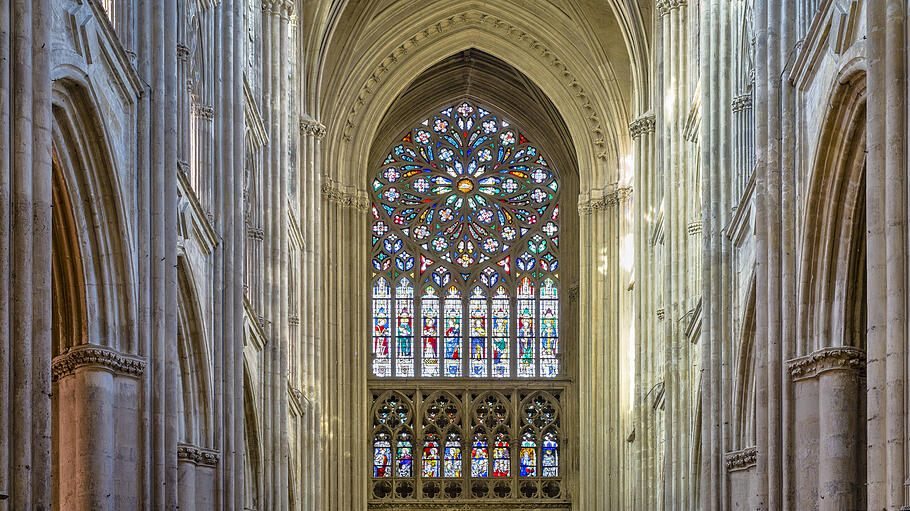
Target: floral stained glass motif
[465, 216]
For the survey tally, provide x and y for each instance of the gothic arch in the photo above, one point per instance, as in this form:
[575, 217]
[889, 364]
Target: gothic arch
[194, 356]
[832, 285]
[744, 390]
[252, 458]
[97, 271]
[601, 139]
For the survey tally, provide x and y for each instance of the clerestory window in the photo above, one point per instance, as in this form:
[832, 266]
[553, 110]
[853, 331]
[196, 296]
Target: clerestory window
[465, 291]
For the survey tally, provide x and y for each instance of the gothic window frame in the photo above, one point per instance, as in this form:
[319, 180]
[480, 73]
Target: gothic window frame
[464, 389]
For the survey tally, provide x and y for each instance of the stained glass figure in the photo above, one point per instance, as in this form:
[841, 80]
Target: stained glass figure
[431, 457]
[526, 315]
[478, 332]
[527, 456]
[404, 328]
[452, 457]
[382, 456]
[480, 459]
[382, 330]
[405, 455]
[501, 459]
[549, 457]
[500, 333]
[549, 329]
[430, 319]
[452, 326]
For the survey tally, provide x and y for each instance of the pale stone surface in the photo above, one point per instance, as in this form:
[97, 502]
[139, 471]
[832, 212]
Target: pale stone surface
[184, 247]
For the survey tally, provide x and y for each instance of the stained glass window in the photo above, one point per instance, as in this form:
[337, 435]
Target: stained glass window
[431, 457]
[550, 454]
[382, 456]
[501, 461]
[405, 455]
[480, 458]
[465, 211]
[527, 459]
[453, 456]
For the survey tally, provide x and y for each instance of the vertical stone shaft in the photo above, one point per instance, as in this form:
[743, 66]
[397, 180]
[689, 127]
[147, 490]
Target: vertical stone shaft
[876, 473]
[5, 234]
[238, 38]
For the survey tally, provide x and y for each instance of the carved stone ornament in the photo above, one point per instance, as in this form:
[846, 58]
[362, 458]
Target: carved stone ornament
[617, 196]
[311, 127]
[742, 459]
[741, 102]
[198, 455]
[826, 359]
[203, 111]
[332, 192]
[641, 126]
[96, 356]
[665, 6]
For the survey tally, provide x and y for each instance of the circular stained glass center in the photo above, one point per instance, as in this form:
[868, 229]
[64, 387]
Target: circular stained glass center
[465, 186]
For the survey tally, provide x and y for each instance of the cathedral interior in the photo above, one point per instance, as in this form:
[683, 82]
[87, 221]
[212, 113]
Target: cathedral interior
[454, 255]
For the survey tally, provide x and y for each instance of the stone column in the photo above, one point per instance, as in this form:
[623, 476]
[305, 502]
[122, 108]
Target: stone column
[25, 254]
[312, 134]
[836, 374]
[86, 383]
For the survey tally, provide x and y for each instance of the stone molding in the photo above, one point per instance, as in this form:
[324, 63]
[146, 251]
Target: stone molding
[203, 111]
[311, 127]
[642, 126]
[88, 355]
[198, 455]
[664, 7]
[617, 196]
[742, 459]
[845, 358]
[741, 102]
[332, 192]
[508, 30]
[468, 505]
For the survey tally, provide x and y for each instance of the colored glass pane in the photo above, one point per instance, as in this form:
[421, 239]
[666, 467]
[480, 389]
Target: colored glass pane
[549, 329]
[526, 319]
[430, 335]
[527, 457]
[478, 332]
[382, 456]
[382, 330]
[452, 328]
[452, 457]
[500, 333]
[549, 458]
[405, 455]
[430, 458]
[404, 328]
[501, 459]
[480, 460]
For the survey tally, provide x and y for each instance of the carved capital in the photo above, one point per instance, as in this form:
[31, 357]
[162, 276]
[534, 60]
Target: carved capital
[333, 192]
[198, 455]
[617, 196]
[88, 355]
[741, 102]
[312, 128]
[641, 126]
[742, 459]
[694, 228]
[203, 111]
[843, 358]
[664, 7]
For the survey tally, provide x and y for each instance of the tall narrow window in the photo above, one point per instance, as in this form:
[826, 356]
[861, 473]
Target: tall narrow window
[465, 229]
